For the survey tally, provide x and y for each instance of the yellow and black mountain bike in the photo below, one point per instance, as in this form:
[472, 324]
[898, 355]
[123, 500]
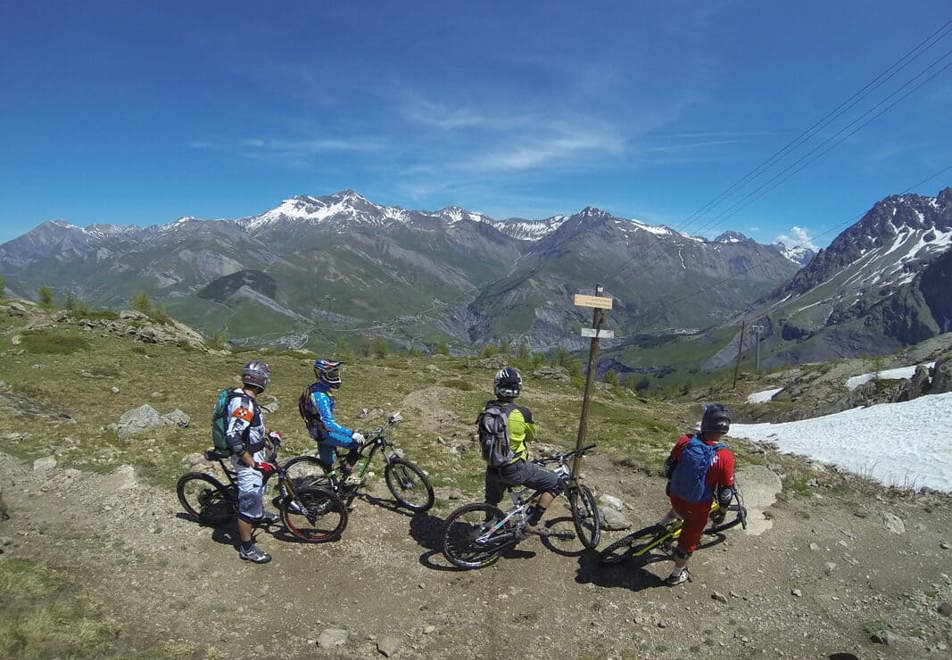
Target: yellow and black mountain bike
[664, 537]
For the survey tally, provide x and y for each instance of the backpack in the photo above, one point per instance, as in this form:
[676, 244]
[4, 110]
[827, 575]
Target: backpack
[689, 476]
[220, 420]
[306, 407]
[492, 426]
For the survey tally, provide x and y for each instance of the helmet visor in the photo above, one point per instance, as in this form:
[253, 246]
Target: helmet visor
[331, 375]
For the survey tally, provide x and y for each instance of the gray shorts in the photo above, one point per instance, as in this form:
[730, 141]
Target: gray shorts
[520, 473]
[250, 493]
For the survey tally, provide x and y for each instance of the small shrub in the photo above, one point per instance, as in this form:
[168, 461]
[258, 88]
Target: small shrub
[380, 348]
[610, 377]
[45, 341]
[45, 294]
[489, 351]
[442, 348]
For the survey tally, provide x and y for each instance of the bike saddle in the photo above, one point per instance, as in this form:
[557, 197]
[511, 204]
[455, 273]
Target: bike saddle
[215, 455]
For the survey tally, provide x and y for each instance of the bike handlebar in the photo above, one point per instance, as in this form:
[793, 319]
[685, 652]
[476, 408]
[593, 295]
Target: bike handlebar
[558, 458]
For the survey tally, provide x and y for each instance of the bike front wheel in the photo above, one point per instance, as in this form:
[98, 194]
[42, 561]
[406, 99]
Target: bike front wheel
[205, 498]
[409, 485]
[585, 516]
[636, 544]
[314, 515]
[469, 537]
[306, 472]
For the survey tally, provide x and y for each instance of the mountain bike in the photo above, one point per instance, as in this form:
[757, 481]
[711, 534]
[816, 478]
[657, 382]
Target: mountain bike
[475, 534]
[663, 537]
[310, 513]
[407, 482]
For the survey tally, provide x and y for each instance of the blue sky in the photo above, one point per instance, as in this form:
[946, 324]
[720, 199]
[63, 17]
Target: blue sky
[126, 112]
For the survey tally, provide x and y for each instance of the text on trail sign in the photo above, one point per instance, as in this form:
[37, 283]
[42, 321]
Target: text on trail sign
[601, 302]
[601, 334]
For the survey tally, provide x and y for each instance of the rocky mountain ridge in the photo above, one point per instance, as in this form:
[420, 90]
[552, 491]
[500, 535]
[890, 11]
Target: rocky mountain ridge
[343, 261]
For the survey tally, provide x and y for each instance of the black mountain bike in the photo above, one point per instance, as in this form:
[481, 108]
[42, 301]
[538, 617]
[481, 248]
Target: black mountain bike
[476, 534]
[310, 513]
[407, 482]
[664, 537]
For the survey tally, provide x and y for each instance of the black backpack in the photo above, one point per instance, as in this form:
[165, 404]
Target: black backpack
[492, 426]
[309, 412]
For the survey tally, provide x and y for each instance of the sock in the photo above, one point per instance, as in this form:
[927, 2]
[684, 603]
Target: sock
[247, 545]
[676, 572]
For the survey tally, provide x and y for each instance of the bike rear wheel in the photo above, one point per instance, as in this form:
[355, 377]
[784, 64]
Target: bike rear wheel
[306, 472]
[635, 544]
[205, 498]
[468, 537]
[314, 515]
[409, 485]
[585, 516]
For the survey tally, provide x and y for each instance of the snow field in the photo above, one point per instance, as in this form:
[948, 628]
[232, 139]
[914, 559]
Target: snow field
[907, 444]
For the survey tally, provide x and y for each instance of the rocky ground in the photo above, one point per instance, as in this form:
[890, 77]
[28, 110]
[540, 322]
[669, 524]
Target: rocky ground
[815, 577]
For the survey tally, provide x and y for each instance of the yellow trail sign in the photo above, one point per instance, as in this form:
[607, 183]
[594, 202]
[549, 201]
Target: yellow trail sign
[600, 302]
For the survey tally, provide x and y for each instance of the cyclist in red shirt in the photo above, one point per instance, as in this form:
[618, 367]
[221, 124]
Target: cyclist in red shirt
[699, 469]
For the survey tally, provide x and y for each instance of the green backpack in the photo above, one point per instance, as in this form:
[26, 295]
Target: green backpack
[220, 420]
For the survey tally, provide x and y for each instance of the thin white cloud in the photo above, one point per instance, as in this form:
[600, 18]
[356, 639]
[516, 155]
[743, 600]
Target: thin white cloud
[798, 237]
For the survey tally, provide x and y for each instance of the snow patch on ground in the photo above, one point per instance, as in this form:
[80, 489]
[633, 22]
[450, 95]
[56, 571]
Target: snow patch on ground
[900, 444]
[888, 374]
[763, 397]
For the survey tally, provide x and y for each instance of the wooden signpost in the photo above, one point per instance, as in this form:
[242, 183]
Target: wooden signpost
[599, 304]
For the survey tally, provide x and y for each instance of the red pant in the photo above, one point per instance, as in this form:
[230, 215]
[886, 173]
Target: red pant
[695, 518]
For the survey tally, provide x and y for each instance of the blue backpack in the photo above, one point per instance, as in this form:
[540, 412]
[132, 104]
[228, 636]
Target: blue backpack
[689, 477]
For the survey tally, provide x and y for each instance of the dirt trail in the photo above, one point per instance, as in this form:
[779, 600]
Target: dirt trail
[804, 587]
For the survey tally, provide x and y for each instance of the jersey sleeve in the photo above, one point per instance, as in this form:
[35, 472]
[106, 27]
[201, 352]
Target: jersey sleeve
[722, 472]
[340, 435]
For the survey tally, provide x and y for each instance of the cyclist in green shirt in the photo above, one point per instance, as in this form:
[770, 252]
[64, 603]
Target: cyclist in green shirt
[518, 470]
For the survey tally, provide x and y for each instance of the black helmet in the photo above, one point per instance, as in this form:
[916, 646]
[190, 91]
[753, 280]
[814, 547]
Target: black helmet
[508, 383]
[256, 374]
[328, 371]
[717, 418]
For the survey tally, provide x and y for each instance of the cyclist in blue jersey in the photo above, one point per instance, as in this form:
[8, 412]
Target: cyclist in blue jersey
[316, 406]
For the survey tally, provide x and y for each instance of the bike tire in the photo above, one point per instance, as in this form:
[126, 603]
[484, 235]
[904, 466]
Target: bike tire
[585, 516]
[633, 544]
[409, 485]
[307, 471]
[460, 533]
[314, 515]
[206, 499]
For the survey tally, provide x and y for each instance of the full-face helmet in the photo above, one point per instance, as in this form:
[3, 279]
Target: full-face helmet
[328, 371]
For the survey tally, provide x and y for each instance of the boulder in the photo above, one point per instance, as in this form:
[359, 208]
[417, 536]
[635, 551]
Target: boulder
[614, 520]
[389, 645]
[558, 374]
[176, 418]
[942, 376]
[44, 464]
[137, 420]
[893, 523]
[332, 638]
[915, 386]
[606, 501]
[4, 511]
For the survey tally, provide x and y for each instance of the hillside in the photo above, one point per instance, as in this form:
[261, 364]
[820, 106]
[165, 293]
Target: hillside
[99, 541]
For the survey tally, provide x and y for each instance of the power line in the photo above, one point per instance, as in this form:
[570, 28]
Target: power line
[838, 111]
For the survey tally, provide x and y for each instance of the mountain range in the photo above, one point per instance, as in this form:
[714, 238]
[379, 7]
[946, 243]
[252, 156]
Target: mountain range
[884, 283]
[318, 269]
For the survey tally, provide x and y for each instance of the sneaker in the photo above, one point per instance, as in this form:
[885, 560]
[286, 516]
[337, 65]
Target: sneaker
[674, 580]
[255, 554]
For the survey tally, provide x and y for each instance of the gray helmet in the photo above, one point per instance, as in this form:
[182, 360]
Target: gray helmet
[256, 374]
[508, 383]
[717, 418]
